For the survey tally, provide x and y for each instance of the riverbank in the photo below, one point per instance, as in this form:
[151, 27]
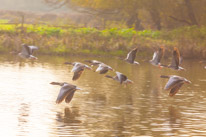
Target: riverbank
[51, 40]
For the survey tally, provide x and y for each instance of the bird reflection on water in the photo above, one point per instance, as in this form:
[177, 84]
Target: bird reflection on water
[67, 123]
[175, 119]
[23, 118]
[69, 117]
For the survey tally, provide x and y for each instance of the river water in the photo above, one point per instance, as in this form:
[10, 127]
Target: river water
[103, 107]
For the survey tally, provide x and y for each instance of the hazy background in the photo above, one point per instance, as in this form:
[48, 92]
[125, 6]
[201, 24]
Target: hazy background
[29, 5]
[106, 25]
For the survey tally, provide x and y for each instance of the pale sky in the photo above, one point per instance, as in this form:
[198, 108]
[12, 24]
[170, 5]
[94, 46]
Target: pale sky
[28, 5]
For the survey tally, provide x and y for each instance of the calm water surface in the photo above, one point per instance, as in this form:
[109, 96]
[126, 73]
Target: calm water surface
[103, 107]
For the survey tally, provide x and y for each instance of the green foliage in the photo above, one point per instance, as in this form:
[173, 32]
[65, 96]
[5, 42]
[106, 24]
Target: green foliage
[192, 34]
[112, 41]
[127, 33]
[4, 21]
[60, 48]
[7, 28]
[114, 32]
[149, 33]
[44, 30]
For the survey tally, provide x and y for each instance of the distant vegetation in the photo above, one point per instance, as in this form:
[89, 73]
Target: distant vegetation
[138, 14]
[114, 41]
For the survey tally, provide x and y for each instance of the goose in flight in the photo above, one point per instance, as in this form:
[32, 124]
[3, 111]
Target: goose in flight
[131, 57]
[78, 68]
[66, 92]
[93, 62]
[103, 68]
[174, 83]
[121, 78]
[157, 56]
[27, 51]
[176, 60]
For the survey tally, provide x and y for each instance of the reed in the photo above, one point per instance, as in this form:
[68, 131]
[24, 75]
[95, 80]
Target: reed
[70, 40]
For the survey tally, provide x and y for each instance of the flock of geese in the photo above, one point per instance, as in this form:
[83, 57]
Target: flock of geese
[67, 90]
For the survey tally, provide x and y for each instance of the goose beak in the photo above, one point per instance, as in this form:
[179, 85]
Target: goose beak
[54, 83]
[189, 82]
[66, 62]
[131, 82]
[78, 88]
[160, 67]
[33, 58]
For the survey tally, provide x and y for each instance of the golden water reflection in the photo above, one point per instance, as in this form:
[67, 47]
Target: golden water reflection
[103, 107]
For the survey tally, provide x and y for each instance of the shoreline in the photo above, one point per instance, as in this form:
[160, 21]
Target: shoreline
[108, 42]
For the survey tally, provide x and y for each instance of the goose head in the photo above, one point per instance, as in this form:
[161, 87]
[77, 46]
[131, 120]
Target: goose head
[128, 81]
[187, 81]
[58, 83]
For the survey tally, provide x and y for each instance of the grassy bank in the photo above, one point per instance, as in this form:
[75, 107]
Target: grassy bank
[70, 40]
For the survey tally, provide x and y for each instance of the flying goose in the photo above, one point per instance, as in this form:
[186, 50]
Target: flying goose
[176, 60]
[157, 56]
[27, 51]
[66, 92]
[103, 68]
[121, 78]
[93, 62]
[174, 83]
[78, 68]
[131, 57]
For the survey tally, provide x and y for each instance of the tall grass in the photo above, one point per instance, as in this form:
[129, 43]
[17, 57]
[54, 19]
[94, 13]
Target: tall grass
[68, 40]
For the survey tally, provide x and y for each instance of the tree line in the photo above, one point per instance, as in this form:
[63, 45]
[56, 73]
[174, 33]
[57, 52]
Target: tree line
[140, 14]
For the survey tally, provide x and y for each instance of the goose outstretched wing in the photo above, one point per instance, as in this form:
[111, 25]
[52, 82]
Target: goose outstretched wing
[70, 96]
[77, 73]
[131, 55]
[121, 77]
[25, 50]
[175, 58]
[176, 88]
[32, 49]
[173, 80]
[64, 91]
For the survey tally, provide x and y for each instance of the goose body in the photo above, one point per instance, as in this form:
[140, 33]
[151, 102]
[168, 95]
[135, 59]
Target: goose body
[131, 57]
[157, 56]
[176, 60]
[27, 51]
[103, 68]
[174, 83]
[121, 78]
[66, 92]
[78, 68]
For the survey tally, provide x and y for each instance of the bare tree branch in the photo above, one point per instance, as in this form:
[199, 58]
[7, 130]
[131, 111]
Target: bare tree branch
[180, 20]
[191, 13]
